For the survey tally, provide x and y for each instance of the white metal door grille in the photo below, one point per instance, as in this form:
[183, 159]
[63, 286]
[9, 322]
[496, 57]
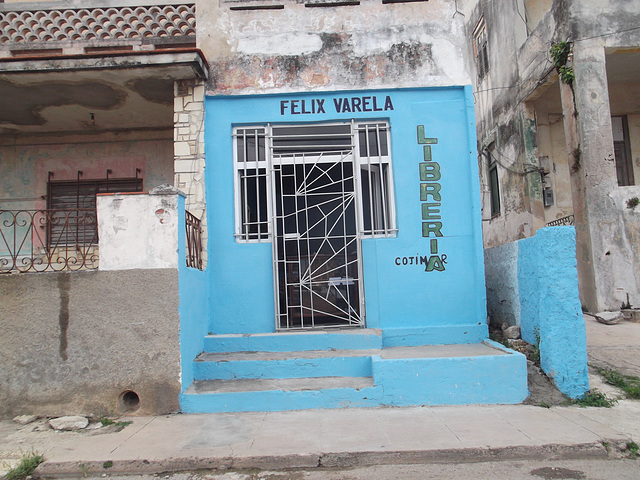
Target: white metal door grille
[317, 249]
[314, 190]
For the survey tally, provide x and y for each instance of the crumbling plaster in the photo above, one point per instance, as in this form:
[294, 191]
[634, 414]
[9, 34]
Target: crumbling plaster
[512, 89]
[345, 47]
[27, 159]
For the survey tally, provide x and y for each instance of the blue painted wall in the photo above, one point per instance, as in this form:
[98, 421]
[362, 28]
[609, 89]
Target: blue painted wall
[194, 291]
[409, 304]
[539, 283]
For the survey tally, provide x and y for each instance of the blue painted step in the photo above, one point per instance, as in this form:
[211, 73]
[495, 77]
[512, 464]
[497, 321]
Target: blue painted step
[310, 363]
[427, 375]
[333, 339]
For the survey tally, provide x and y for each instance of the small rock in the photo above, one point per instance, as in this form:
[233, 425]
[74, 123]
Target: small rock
[94, 426]
[609, 318]
[73, 422]
[512, 332]
[25, 419]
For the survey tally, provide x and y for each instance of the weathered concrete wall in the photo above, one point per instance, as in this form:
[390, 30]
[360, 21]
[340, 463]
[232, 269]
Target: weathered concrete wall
[337, 47]
[519, 109]
[533, 283]
[138, 230]
[73, 342]
[26, 160]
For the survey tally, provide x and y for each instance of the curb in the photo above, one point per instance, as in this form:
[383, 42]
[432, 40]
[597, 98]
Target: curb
[595, 450]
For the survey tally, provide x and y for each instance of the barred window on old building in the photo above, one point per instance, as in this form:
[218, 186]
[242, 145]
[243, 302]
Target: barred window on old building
[480, 49]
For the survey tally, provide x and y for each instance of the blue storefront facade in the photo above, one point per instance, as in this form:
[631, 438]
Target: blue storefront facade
[345, 222]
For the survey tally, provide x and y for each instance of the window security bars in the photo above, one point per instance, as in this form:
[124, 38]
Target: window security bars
[480, 48]
[194, 240]
[368, 148]
[48, 240]
[314, 190]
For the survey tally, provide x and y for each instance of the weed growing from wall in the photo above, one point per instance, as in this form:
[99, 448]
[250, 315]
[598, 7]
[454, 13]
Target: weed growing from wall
[560, 55]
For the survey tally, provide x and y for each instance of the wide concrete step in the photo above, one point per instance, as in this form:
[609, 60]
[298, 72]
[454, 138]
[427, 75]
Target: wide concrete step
[256, 365]
[396, 376]
[258, 395]
[330, 339]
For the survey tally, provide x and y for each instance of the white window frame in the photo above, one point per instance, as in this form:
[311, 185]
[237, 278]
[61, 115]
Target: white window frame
[368, 161]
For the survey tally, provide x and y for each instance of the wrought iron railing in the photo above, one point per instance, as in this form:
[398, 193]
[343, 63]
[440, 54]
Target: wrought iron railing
[568, 220]
[194, 240]
[48, 240]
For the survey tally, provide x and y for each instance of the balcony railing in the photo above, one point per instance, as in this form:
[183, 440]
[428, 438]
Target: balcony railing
[568, 220]
[194, 241]
[48, 240]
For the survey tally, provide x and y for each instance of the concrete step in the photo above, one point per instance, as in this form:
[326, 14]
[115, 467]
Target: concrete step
[396, 376]
[329, 339]
[310, 363]
[258, 395]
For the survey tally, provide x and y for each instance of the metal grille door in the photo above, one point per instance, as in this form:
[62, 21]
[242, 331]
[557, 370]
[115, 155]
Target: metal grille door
[316, 245]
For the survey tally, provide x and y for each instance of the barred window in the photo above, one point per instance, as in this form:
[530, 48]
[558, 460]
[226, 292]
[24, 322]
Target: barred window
[364, 145]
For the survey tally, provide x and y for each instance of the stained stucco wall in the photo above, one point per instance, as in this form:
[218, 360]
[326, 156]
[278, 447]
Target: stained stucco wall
[297, 48]
[534, 283]
[26, 160]
[73, 342]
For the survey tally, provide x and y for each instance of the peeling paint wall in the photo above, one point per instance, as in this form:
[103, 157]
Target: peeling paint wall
[532, 127]
[26, 161]
[138, 231]
[340, 47]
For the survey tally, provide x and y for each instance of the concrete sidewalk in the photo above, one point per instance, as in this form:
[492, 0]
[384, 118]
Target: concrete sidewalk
[330, 438]
[348, 437]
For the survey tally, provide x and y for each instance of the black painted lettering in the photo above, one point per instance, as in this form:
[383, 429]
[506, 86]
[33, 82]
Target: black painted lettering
[337, 102]
[294, 107]
[355, 104]
[365, 104]
[304, 107]
[387, 104]
[397, 260]
[375, 105]
[284, 104]
[320, 105]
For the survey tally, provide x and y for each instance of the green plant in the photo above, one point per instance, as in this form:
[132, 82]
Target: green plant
[84, 469]
[633, 449]
[585, 309]
[106, 421]
[107, 464]
[633, 202]
[594, 398]
[630, 385]
[27, 465]
[566, 74]
[535, 354]
[560, 53]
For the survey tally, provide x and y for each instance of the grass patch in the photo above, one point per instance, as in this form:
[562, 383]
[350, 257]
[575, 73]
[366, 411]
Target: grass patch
[633, 449]
[106, 422]
[594, 398]
[628, 384]
[27, 465]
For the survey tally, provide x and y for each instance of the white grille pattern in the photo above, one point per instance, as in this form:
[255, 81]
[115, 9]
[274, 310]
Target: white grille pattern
[97, 24]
